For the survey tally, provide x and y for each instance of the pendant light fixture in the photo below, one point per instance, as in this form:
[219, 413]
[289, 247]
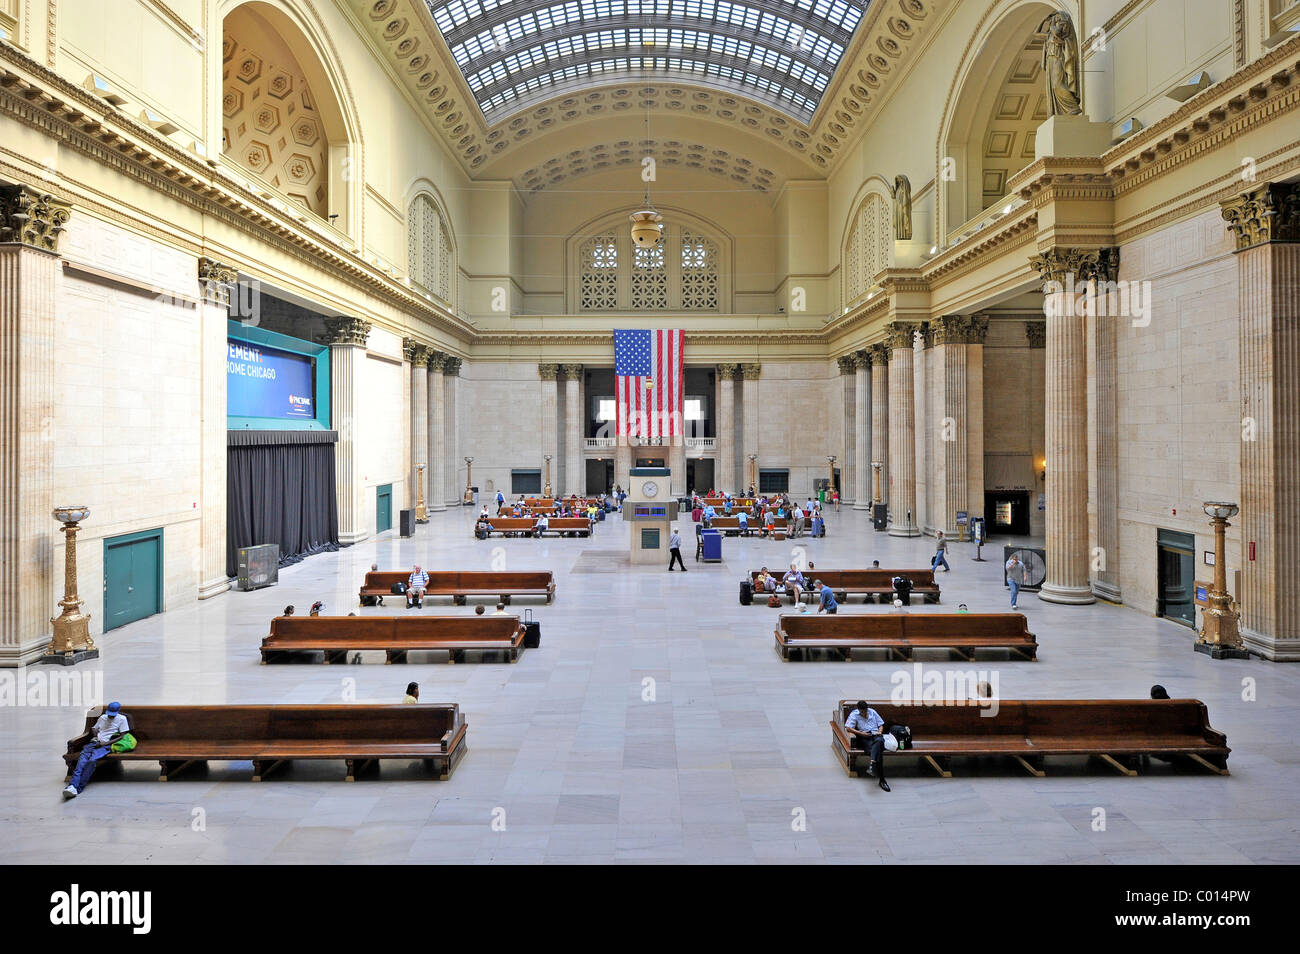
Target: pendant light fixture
[647, 223]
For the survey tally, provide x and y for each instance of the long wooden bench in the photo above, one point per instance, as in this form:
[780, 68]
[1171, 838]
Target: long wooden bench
[268, 736]
[872, 584]
[508, 511]
[335, 636]
[562, 526]
[506, 526]
[901, 633]
[460, 584]
[1120, 732]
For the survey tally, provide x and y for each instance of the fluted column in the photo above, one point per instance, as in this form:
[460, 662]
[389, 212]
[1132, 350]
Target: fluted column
[437, 425]
[574, 472]
[547, 373]
[878, 355]
[215, 280]
[727, 455]
[1265, 225]
[30, 225]
[848, 470]
[902, 431]
[418, 357]
[1063, 269]
[751, 416]
[956, 423]
[862, 414]
[455, 487]
[920, 343]
[347, 340]
[1103, 476]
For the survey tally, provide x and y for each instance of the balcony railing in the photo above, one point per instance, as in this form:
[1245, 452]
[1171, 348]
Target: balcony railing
[597, 443]
[702, 443]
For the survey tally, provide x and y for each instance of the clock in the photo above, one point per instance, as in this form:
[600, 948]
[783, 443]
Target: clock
[650, 488]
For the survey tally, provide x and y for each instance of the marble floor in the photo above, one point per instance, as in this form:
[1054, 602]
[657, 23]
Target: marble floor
[654, 724]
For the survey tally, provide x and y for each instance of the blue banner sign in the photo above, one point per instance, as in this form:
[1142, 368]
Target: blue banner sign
[269, 383]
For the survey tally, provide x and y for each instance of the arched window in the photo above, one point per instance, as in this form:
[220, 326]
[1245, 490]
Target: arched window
[429, 250]
[685, 271]
[868, 245]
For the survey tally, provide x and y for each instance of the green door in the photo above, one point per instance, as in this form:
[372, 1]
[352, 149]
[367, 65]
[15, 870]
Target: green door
[384, 508]
[132, 577]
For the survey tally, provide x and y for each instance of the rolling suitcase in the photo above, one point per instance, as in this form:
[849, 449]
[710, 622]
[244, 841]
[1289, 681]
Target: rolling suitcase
[532, 631]
[746, 592]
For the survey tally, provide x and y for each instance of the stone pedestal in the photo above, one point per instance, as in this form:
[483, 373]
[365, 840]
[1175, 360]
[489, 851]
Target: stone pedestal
[1072, 136]
[347, 340]
[902, 432]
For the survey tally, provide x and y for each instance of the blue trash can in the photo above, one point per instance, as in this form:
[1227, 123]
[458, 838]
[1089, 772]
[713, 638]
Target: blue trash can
[712, 545]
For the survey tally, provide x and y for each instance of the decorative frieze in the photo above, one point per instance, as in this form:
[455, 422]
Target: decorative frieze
[1269, 213]
[346, 331]
[32, 218]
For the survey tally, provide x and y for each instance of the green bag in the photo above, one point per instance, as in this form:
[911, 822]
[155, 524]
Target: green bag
[125, 744]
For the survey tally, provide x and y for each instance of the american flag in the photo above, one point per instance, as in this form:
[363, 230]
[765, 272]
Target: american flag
[648, 371]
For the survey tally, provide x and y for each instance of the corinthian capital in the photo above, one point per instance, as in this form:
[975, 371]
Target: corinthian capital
[32, 218]
[346, 331]
[1270, 213]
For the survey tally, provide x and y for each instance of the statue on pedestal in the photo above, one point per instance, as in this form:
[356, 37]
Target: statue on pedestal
[1061, 65]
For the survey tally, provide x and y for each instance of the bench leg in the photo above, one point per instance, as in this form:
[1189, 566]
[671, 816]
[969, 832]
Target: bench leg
[458, 600]
[168, 769]
[360, 766]
[1220, 769]
[967, 655]
[939, 767]
[1033, 769]
[514, 655]
[1120, 767]
[264, 767]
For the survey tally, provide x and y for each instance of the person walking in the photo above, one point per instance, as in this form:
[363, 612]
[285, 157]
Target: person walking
[940, 553]
[675, 551]
[1015, 576]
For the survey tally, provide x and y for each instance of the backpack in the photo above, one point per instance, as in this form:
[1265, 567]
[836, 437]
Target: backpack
[398, 588]
[903, 733]
[774, 601]
[123, 744]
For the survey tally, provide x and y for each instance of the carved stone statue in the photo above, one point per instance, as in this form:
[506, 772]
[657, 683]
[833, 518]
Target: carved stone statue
[902, 208]
[1061, 65]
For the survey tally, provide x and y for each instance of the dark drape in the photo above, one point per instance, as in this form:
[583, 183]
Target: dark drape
[280, 488]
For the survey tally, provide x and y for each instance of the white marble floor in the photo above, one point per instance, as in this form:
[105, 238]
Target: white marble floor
[572, 757]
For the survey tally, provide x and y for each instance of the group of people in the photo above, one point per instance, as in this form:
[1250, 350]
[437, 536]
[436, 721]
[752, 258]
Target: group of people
[800, 518]
[796, 584]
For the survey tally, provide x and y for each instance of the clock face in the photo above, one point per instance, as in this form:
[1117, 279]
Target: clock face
[650, 488]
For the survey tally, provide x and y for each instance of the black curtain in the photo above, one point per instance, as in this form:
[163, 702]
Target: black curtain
[280, 488]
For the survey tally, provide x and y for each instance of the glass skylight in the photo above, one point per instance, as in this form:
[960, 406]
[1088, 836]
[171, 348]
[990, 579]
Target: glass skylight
[514, 52]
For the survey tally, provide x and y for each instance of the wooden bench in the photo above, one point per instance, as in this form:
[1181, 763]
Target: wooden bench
[731, 526]
[873, 584]
[1120, 732]
[521, 526]
[268, 736]
[335, 636]
[508, 511]
[901, 633]
[461, 584]
[561, 526]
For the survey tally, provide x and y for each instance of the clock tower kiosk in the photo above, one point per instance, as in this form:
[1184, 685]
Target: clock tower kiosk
[650, 512]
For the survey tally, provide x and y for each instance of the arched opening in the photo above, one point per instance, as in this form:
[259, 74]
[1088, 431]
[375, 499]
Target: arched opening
[431, 246]
[993, 125]
[281, 118]
[868, 245]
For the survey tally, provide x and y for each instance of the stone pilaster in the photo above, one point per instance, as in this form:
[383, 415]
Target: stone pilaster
[30, 225]
[347, 340]
[878, 355]
[215, 280]
[1065, 273]
[574, 471]
[547, 373]
[1265, 223]
[455, 487]
[902, 431]
[1103, 464]
[726, 477]
[957, 419]
[920, 344]
[862, 417]
[436, 472]
[417, 357]
[848, 383]
[750, 422]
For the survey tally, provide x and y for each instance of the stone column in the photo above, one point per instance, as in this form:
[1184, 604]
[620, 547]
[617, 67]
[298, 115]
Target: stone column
[902, 431]
[547, 373]
[957, 420]
[575, 477]
[215, 280]
[750, 421]
[862, 416]
[455, 487]
[848, 469]
[1103, 438]
[920, 343]
[878, 355]
[1066, 418]
[30, 224]
[436, 472]
[725, 477]
[1265, 225]
[418, 357]
[347, 340]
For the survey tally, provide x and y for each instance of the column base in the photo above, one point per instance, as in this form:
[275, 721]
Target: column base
[347, 539]
[1216, 651]
[860, 504]
[435, 509]
[1270, 647]
[1069, 595]
[213, 588]
[904, 532]
[15, 657]
[1107, 591]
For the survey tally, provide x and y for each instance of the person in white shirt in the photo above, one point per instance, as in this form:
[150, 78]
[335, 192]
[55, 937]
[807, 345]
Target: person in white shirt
[108, 728]
[543, 524]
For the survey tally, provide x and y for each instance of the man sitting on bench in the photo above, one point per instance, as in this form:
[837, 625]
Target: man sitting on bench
[867, 731]
[543, 524]
[108, 728]
[416, 584]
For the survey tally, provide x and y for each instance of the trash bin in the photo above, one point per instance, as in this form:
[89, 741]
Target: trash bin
[712, 543]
